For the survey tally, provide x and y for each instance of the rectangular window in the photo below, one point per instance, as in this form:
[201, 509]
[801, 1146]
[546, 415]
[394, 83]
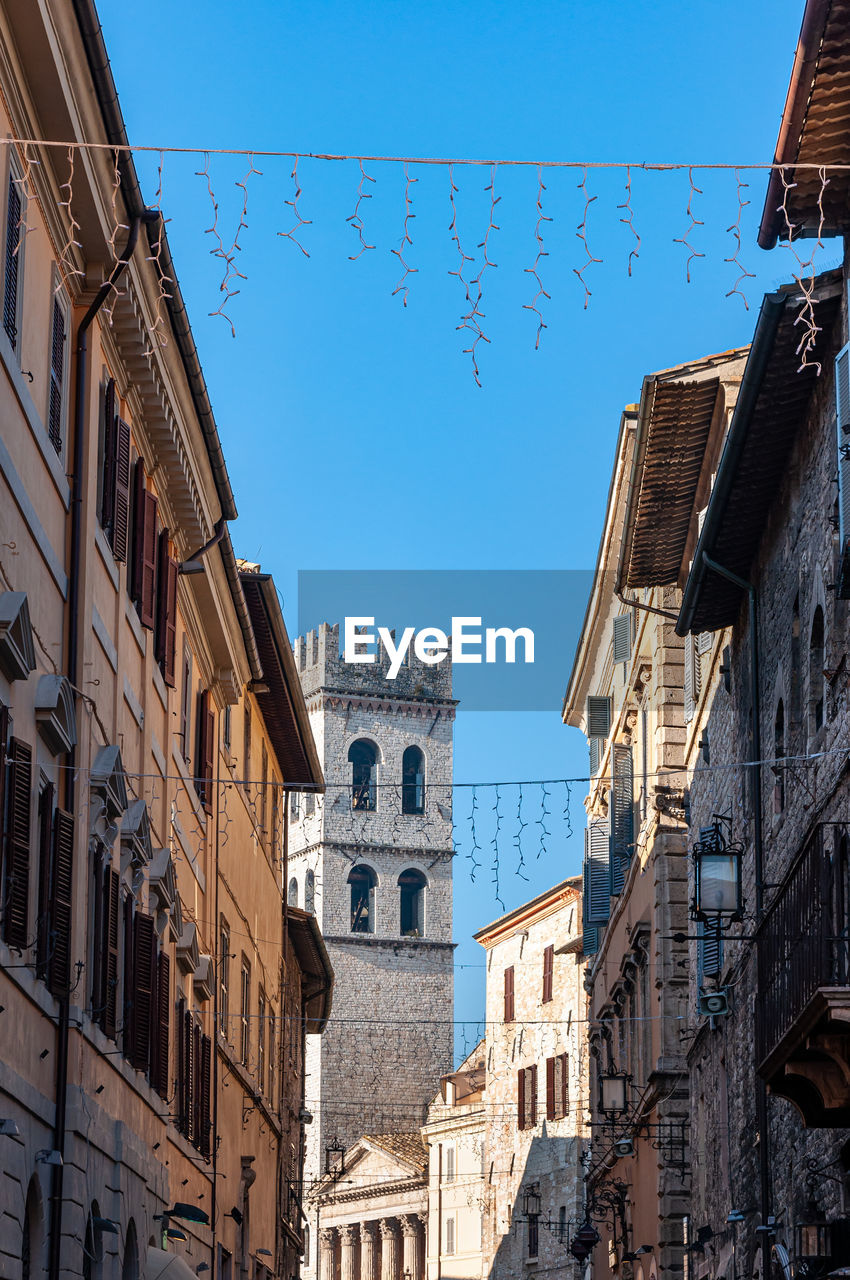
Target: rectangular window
[557, 1080]
[225, 731]
[272, 1046]
[205, 755]
[275, 817]
[264, 790]
[509, 994]
[450, 1234]
[186, 703]
[245, 1014]
[17, 832]
[246, 747]
[165, 634]
[548, 972]
[145, 535]
[261, 1039]
[13, 258]
[295, 804]
[450, 1164]
[57, 399]
[224, 980]
[225, 1264]
[533, 1234]
[527, 1097]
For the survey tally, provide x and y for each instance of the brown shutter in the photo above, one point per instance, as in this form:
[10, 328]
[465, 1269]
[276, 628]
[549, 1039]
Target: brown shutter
[4, 738]
[16, 914]
[165, 644]
[206, 739]
[13, 246]
[57, 377]
[548, 968]
[196, 1086]
[45, 843]
[565, 1084]
[159, 1042]
[189, 1032]
[61, 895]
[206, 1099]
[520, 1098]
[182, 1074]
[550, 1088]
[107, 480]
[121, 490]
[143, 989]
[532, 1085]
[509, 994]
[144, 548]
[129, 982]
[112, 907]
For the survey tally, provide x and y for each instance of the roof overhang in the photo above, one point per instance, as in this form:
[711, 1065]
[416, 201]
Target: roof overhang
[815, 130]
[317, 975]
[545, 904]
[772, 407]
[280, 697]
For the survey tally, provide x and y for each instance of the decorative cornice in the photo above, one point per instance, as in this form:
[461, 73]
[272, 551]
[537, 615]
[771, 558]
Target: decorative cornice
[373, 1192]
[333, 698]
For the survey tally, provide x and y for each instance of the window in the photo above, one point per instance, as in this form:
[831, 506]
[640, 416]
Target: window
[17, 833]
[509, 994]
[246, 746]
[362, 881]
[816, 676]
[644, 762]
[533, 1234]
[14, 255]
[450, 1234]
[224, 979]
[796, 668]
[413, 781]
[186, 703]
[527, 1097]
[114, 479]
[363, 758]
[45, 841]
[557, 1087]
[305, 1258]
[204, 758]
[412, 886]
[295, 804]
[261, 1039]
[245, 1014]
[272, 1042]
[450, 1163]
[225, 1264]
[226, 723]
[778, 757]
[310, 892]
[562, 1223]
[292, 895]
[275, 818]
[264, 790]
[145, 546]
[548, 972]
[57, 398]
[165, 630]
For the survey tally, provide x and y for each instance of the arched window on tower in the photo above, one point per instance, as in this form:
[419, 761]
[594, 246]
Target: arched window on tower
[413, 781]
[292, 895]
[310, 892]
[816, 676]
[362, 881]
[779, 758]
[412, 885]
[363, 758]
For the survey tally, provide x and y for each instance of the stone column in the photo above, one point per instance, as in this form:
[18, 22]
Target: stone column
[348, 1252]
[368, 1250]
[389, 1249]
[410, 1232]
[327, 1237]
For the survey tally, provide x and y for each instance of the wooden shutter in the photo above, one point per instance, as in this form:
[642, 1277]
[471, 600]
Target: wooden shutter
[129, 982]
[206, 1097]
[61, 899]
[45, 862]
[165, 639]
[182, 1069]
[622, 637]
[13, 242]
[57, 376]
[622, 815]
[598, 716]
[548, 972]
[120, 490]
[520, 1098]
[842, 418]
[693, 677]
[531, 1095]
[509, 994]
[107, 477]
[112, 908]
[196, 1085]
[206, 741]
[144, 942]
[565, 1084]
[16, 914]
[550, 1088]
[160, 1037]
[144, 548]
[597, 880]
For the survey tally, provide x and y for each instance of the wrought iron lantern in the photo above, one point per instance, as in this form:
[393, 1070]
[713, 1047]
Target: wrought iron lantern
[531, 1201]
[335, 1157]
[613, 1093]
[813, 1239]
[584, 1241]
[717, 877]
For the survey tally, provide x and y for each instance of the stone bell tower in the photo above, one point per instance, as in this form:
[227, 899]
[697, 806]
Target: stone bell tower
[373, 859]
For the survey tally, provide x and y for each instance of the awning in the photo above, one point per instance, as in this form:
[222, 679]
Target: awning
[163, 1265]
[317, 975]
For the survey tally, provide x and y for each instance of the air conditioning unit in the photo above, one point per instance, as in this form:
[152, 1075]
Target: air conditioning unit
[714, 1004]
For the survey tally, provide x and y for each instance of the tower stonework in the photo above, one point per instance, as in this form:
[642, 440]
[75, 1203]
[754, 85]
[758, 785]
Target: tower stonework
[373, 859]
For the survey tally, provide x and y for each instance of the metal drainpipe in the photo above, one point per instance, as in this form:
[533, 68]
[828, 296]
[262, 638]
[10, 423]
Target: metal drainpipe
[758, 861]
[80, 436]
[215, 1032]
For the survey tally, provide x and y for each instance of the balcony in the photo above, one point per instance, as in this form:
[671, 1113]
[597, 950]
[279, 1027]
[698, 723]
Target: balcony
[803, 1003]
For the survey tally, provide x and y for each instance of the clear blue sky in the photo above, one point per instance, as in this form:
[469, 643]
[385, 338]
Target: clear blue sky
[354, 433]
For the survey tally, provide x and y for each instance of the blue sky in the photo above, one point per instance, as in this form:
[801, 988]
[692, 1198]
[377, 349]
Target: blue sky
[354, 432]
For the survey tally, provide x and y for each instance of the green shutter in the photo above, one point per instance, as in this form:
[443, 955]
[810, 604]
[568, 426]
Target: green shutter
[598, 716]
[598, 884]
[622, 815]
[622, 637]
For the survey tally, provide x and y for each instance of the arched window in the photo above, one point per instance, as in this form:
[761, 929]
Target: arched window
[816, 676]
[412, 901]
[779, 757]
[362, 881]
[292, 895]
[413, 781]
[795, 702]
[310, 892]
[31, 1236]
[363, 758]
[93, 1247]
[130, 1267]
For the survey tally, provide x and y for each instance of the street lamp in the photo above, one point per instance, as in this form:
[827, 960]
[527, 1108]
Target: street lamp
[584, 1241]
[717, 877]
[335, 1157]
[813, 1240]
[613, 1093]
[531, 1201]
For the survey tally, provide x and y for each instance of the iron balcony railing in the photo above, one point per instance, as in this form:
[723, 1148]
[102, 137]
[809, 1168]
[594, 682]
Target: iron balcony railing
[804, 939]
